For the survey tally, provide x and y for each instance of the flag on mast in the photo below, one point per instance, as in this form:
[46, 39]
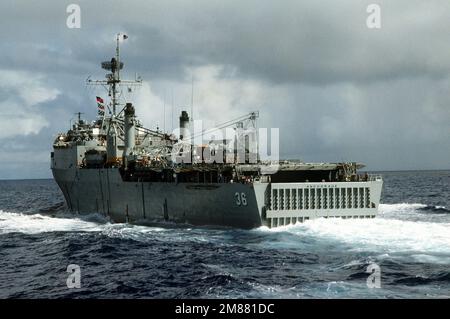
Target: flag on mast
[100, 106]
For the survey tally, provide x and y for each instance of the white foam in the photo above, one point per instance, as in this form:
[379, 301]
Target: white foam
[36, 223]
[414, 212]
[379, 234]
[127, 231]
[389, 209]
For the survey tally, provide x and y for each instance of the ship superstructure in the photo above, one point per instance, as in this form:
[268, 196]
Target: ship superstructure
[119, 168]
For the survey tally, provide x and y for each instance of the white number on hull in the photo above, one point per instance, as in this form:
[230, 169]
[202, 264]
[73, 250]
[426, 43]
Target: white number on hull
[241, 199]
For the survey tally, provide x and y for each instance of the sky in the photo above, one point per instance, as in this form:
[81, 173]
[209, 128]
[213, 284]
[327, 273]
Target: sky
[336, 89]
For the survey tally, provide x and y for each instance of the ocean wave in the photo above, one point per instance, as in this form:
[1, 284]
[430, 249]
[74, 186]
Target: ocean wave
[435, 209]
[386, 209]
[133, 232]
[55, 208]
[415, 212]
[424, 280]
[376, 235]
[37, 223]
[426, 240]
[67, 222]
[411, 208]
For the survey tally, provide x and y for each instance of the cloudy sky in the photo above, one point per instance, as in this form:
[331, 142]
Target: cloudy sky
[336, 89]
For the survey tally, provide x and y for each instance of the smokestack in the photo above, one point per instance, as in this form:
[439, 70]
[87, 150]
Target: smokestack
[184, 125]
[130, 140]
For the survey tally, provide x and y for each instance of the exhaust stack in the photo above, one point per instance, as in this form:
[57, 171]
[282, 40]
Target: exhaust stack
[184, 125]
[130, 138]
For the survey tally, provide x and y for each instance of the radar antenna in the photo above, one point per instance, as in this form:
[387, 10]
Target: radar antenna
[113, 79]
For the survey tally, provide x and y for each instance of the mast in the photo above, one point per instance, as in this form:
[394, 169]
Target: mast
[192, 98]
[116, 74]
[79, 116]
[113, 80]
[115, 124]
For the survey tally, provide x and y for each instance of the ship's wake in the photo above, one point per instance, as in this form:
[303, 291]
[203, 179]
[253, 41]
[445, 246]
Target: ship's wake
[382, 235]
[409, 211]
[41, 223]
[319, 258]
[423, 240]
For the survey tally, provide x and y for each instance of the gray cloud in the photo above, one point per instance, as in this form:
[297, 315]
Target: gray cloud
[337, 90]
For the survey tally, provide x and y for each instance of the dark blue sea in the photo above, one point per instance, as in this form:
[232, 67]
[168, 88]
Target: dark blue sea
[324, 258]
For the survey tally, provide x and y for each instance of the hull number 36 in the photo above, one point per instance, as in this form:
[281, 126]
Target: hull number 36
[241, 199]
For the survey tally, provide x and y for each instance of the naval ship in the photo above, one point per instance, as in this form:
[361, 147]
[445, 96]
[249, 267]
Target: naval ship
[116, 167]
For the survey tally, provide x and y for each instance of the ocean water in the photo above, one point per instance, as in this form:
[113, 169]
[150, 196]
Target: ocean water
[324, 258]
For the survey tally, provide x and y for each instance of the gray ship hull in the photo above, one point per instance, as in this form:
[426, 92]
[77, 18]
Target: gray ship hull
[104, 191]
[217, 204]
